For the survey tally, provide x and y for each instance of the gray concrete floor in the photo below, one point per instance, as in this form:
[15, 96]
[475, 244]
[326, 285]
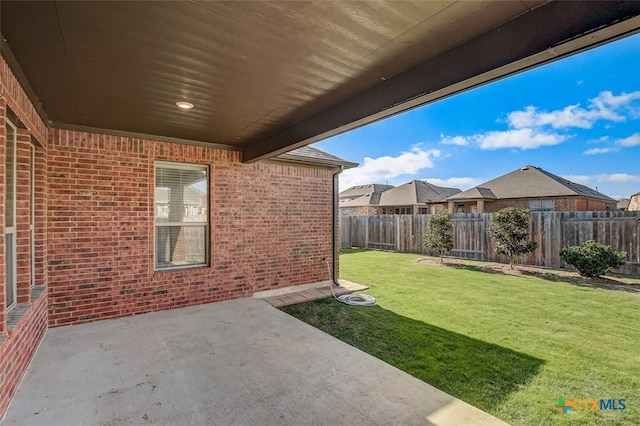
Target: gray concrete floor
[240, 362]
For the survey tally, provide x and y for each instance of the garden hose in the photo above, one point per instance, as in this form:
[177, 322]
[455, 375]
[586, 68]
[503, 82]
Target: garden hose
[350, 299]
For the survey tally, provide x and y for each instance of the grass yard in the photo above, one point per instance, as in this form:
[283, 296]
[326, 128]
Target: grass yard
[510, 345]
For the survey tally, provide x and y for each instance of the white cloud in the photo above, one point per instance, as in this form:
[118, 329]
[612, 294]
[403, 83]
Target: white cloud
[618, 178]
[605, 106]
[596, 151]
[453, 140]
[454, 182]
[571, 116]
[633, 140]
[519, 138]
[610, 99]
[378, 170]
[581, 179]
[530, 128]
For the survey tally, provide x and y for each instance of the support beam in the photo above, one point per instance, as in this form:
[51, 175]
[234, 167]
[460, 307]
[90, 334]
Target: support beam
[542, 35]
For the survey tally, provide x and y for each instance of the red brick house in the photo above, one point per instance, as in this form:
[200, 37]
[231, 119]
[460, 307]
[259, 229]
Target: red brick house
[116, 202]
[530, 188]
[103, 226]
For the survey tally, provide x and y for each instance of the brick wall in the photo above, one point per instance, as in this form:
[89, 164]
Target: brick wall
[360, 211]
[17, 350]
[22, 327]
[589, 204]
[270, 226]
[3, 191]
[562, 204]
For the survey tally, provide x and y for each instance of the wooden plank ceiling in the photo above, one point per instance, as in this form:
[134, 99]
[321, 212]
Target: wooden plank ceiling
[269, 76]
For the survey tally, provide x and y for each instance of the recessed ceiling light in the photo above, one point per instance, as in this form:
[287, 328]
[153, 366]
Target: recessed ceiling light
[184, 105]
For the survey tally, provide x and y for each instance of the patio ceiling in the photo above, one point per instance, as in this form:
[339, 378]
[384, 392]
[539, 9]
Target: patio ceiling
[267, 77]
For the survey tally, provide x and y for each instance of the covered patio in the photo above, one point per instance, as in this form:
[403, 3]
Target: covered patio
[237, 362]
[92, 109]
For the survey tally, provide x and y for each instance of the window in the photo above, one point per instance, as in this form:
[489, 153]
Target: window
[423, 210]
[10, 215]
[32, 214]
[403, 210]
[542, 205]
[181, 215]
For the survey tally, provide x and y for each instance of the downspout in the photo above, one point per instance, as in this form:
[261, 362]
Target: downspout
[334, 232]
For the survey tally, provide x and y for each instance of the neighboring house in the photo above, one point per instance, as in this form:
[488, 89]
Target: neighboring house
[634, 202]
[623, 204]
[415, 197]
[530, 188]
[362, 200]
[360, 190]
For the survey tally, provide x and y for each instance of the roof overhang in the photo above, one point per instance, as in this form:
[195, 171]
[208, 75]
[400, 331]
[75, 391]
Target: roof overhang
[267, 77]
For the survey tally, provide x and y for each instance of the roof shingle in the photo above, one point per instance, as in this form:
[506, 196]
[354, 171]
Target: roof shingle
[310, 155]
[529, 182]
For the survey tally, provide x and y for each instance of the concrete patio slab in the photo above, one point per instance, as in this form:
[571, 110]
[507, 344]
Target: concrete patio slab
[240, 362]
[295, 296]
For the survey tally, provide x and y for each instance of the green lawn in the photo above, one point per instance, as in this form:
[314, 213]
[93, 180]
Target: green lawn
[510, 345]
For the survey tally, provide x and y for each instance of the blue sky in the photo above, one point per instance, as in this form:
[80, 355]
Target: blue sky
[578, 118]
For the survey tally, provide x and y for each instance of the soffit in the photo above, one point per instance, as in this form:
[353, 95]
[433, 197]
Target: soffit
[270, 76]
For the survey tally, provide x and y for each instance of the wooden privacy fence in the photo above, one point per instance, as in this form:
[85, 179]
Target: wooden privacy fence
[551, 230]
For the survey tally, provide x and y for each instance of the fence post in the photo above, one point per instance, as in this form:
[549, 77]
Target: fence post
[366, 232]
[397, 242]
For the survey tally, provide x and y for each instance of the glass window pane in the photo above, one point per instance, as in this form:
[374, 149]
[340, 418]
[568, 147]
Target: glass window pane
[180, 246]
[181, 193]
[548, 205]
[181, 197]
[10, 173]
[11, 275]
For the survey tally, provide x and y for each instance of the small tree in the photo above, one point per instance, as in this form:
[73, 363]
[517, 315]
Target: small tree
[510, 228]
[439, 235]
[592, 259]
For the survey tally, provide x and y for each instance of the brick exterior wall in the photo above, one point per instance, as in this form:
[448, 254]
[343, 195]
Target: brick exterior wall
[432, 208]
[359, 211]
[22, 327]
[19, 347]
[561, 204]
[270, 227]
[3, 191]
[565, 204]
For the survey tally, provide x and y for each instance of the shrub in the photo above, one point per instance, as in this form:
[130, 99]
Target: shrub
[510, 228]
[439, 235]
[592, 259]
